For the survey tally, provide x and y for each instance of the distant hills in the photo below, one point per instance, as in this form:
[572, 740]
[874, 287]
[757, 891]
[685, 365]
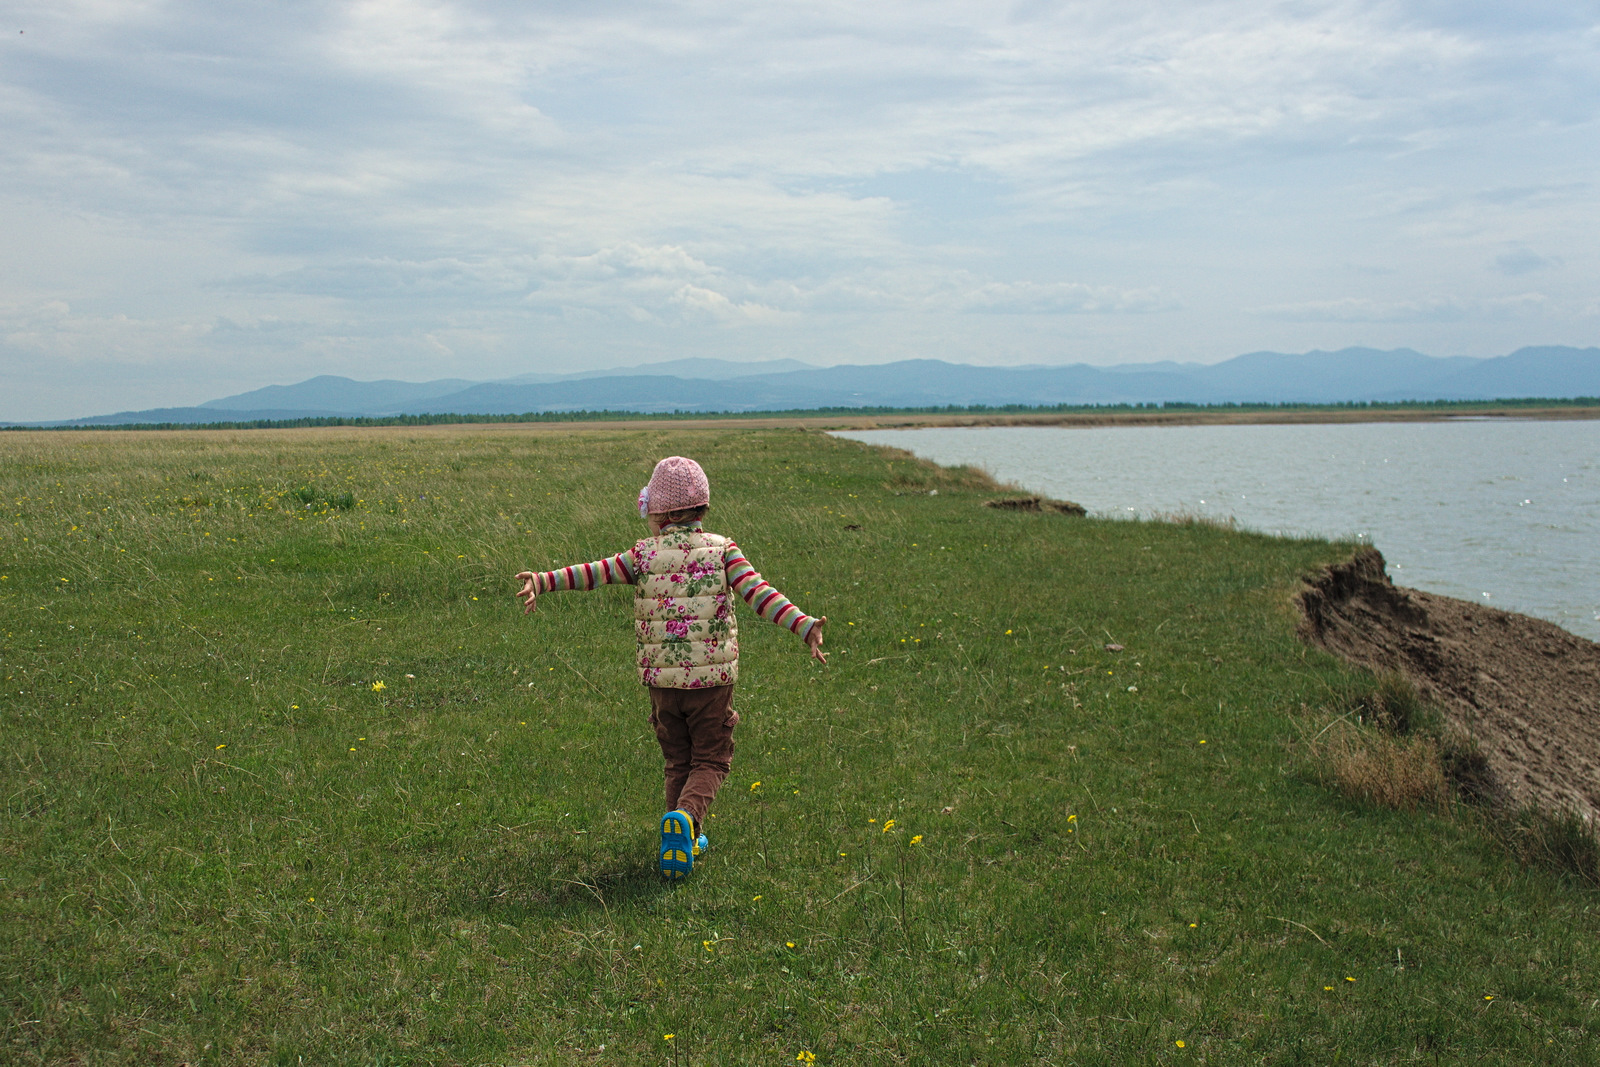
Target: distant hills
[1350, 374]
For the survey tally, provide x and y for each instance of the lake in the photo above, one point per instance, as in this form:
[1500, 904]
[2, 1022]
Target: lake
[1504, 512]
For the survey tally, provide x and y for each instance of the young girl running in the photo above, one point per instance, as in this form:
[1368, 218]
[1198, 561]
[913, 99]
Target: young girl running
[688, 641]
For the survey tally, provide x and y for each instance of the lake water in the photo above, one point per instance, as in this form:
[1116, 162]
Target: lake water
[1503, 512]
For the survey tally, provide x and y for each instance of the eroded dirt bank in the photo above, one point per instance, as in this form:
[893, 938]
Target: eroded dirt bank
[1527, 691]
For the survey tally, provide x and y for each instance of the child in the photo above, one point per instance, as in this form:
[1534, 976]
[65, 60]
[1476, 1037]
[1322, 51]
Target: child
[688, 641]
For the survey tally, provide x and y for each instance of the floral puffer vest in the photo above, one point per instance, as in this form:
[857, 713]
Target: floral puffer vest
[683, 612]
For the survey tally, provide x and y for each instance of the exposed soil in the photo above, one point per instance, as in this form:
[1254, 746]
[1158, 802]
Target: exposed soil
[1037, 503]
[1526, 691]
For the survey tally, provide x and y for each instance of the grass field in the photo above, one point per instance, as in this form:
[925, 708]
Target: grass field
[289, 779]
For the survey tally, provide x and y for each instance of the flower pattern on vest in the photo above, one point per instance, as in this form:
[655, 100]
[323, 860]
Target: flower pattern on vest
[683, 616]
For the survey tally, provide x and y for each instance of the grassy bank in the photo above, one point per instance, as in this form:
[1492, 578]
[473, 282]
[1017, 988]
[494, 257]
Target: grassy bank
[289, 779]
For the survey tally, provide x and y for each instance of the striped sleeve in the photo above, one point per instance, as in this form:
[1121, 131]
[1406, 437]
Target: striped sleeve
[767, 601]
[612, 569]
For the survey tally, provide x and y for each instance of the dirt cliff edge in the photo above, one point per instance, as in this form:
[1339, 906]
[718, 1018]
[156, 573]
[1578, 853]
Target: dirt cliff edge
[1526, 691]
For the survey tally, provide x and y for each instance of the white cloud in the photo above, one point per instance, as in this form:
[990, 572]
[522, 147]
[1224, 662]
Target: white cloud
[1360, 309]
[55, 331]
[1430, 310]
[710, 303]
[1062, 298]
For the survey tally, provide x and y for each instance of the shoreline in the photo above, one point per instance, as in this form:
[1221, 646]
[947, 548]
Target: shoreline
[1524, 690]
[1091, 420]
[1224, 418]
[1431, 511]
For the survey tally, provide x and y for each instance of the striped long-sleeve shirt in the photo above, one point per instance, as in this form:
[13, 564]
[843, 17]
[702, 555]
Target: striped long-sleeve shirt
[625, 567]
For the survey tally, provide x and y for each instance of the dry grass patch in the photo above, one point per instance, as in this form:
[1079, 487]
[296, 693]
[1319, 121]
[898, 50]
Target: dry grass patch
[1381, 749]
[1561, 841]
[1389, 748]
[1195, 518]
[1368, 765]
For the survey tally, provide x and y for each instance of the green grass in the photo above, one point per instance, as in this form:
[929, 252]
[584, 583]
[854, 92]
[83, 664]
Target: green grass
[222, 842]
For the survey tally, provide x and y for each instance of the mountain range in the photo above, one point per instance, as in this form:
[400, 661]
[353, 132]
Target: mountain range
[1350, 374]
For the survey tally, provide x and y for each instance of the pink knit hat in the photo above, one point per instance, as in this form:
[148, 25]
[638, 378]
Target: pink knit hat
[677, 483]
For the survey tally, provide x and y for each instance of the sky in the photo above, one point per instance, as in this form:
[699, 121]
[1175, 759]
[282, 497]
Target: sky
[198, 198]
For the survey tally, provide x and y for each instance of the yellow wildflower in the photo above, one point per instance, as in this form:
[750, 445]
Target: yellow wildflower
[378, 687]
[917, 840]
[888, 826]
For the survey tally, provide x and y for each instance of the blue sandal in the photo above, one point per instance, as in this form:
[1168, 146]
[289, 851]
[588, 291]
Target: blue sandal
[677, 844]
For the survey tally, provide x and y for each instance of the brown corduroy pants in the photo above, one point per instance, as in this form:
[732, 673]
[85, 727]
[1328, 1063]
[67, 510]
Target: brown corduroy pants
[695, 730]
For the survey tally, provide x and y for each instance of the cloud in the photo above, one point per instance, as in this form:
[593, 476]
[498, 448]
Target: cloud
[1062, 298]
[404, 96]
[714, 305]
[646, 283]
[1430, 310]
[53, 330]
[1520, 261]
[1516, 305]
[666, 282]
[1360, 309]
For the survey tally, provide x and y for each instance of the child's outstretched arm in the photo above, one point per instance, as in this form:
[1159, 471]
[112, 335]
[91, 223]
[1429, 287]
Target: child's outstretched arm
[771, 604]
[612, 569]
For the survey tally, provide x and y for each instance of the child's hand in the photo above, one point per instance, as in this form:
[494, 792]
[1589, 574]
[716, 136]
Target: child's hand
[527, 593]
[814, 640]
